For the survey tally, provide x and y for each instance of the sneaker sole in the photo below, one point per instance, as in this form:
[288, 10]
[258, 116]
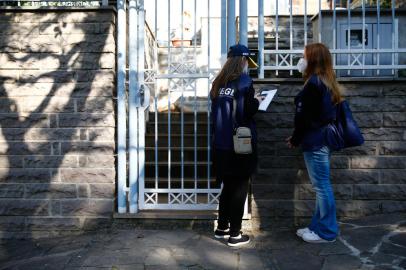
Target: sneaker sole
[222, 236]
[319, 241]
[238, 244]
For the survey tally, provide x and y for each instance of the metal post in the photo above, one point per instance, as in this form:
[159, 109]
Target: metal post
[121, 106]
[320, 23]
[141, 108]
[223, 31]
[290, 35]
[334, 32]
[133, 104]
[305, 22]
[363, 34]
[261, 38]
[349, 37]
[277, 37]
[243, 36]
[230, 22]
[378, 36]
[105, 2]
[393, 34]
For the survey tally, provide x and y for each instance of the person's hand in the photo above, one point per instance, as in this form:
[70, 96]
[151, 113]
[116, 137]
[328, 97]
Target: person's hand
[289, 143]
[259, 97]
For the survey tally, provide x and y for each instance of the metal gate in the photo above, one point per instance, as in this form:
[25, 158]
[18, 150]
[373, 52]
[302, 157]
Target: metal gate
[169, 155]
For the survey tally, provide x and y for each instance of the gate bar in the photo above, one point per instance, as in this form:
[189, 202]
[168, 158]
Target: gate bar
[121, 107]
[261, 26]
[133, 103]
[230, 22]
[223, 30]
[243, 34]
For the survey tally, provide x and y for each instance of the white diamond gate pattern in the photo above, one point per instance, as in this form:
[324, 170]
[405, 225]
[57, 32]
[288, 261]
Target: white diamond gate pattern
[174, 132]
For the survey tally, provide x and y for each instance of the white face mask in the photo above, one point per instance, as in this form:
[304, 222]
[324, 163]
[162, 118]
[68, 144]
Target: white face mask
[302, 65]
[245, 70]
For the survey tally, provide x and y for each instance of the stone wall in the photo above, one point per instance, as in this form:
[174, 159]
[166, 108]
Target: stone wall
[57, 137]
[367, 180]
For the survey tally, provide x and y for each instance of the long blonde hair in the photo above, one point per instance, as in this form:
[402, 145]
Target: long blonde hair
[319, 63]
[231, 70]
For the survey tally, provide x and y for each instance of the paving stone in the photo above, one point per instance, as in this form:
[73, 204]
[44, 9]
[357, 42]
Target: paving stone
[398, 239]
[341, 262]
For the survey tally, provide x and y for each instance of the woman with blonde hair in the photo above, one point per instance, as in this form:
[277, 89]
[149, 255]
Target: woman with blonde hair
[315, 109]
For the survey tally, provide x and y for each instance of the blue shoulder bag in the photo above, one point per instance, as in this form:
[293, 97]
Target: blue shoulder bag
[344, 131]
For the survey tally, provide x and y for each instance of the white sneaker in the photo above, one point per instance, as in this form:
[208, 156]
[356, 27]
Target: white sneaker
[302, 231]
[312, 237]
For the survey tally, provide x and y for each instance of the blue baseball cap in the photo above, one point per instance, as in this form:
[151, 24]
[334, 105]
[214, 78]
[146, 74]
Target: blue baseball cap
[241, 50]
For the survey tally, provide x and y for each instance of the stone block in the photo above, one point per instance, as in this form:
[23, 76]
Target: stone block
[365, 104]
[93, 105]
[95, 224]
[26, 61]
[99, 161]
[90, 61]
[51, 134]
[87, 175]
[280, 176]
[14, 120]
[101, 134]
[360, 89]
[340, 176]
[282, 105]
[393, 206]
[106, 28]
[83, 190]
[283, 150]
[368, 148]
[395, 89]
[86, 120]
[25, 148]
[40, 43]
[368, 120]
[89, 43]
[96, 76]
[281, 162]
[341, 192]
[274, 192]
[282, 208]
[11, 191]
[393, 148]
[51, 161]
[380, 192]
[393, 177]
[380, 134]
[24, 207]
[87, 207]
[12, 223]
[274, 120]
[50, 191]
[8, 76]
[273, 135]
[394, 119]
[22, 28]
[356, 208]
[106, 191]
[55, 207]
[58, 28]
[53, 223]
[25, 175]
[44, 80]
[9, 161]
[339, 162]
[369, 162]
[88, 148]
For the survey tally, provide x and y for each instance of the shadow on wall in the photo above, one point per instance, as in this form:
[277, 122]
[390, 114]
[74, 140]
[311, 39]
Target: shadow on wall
[57, 121]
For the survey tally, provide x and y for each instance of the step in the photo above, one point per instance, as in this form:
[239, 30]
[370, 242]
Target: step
[176, 127]
[188, 140]
[176, 116]
[189, 183]
[176, 169]
[188, 153]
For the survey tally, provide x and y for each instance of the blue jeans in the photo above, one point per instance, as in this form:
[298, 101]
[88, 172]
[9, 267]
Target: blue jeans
[324, 221]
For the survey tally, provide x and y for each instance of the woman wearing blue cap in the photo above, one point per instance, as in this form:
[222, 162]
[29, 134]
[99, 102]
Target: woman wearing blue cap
[233, 106]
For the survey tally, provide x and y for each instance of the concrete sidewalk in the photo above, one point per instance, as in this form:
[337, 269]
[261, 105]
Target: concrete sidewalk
[377, 242]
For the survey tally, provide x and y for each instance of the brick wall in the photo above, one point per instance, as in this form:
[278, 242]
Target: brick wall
[370, 179]
[57, 119]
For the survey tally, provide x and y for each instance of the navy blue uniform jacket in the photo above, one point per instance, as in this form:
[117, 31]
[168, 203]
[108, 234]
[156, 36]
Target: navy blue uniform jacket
[314, 110]
[226, 162]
